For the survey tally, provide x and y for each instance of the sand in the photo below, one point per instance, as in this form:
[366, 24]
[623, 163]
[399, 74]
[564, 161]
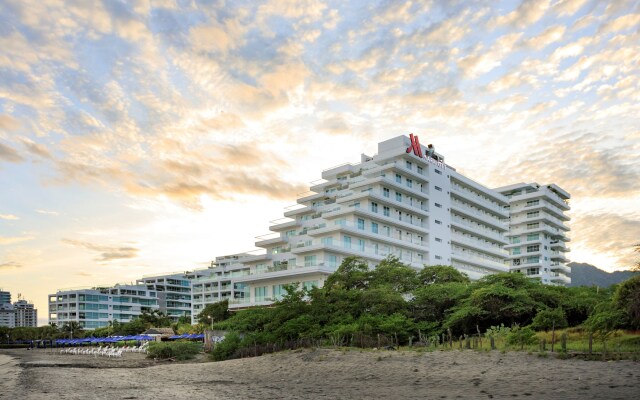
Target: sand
[319, 374]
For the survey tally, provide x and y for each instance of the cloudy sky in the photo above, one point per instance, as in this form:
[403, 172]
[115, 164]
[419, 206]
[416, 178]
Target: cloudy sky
[151, 136]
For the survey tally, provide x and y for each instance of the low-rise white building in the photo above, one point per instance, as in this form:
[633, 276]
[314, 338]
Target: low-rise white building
[95, 307]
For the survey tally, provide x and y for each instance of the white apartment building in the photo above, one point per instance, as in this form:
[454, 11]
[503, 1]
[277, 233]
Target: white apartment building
[26, 314]
[404, 201]
[538, 234]
[7, 315]
[173, 291]
[95, 307]
[220, 282]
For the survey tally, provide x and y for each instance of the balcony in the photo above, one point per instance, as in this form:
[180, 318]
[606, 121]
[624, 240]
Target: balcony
[482, 217]
[467, 226]
[480, 245]
[478, 199]
[479, 261]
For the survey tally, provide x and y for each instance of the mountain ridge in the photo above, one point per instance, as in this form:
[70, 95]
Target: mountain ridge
[584, 274]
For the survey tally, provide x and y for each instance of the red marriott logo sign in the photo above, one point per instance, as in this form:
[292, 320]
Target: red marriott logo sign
[417, 150]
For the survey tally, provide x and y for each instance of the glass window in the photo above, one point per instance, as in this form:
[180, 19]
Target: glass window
[408, 164]
[438, 188]
[346, 241]
[409, 183]
[438, 171]
[374, 227]
[419, 168]
[327, 241]
[360, 223]
[438, 205]
[278, 292]
[374, 207]
[308, 285]
[398, 196]
[516, 250]
[531, 236]
[533, 248]
[332, 261]
[385, 211]
[385, 192]
[533, 214]
[533, 225]
[532, 203]
[361, 244]
[398, 178]
[310, 261]
[260, 293]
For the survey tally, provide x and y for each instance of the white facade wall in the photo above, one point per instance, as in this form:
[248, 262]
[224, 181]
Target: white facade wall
[7, 315]
[26, 314]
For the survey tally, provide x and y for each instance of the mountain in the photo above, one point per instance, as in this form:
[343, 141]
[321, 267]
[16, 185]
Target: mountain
[583, 274]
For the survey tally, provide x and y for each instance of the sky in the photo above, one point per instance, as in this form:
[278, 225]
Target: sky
[143, 137]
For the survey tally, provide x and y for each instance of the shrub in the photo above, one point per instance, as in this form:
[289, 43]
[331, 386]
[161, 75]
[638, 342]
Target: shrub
[227, 348]
[546, 319]
[178, 350]
[522, 336]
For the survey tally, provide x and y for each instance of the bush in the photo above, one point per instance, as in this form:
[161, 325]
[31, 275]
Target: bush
[178, 350]
[227, 348]
[546, 319]
[522, 336]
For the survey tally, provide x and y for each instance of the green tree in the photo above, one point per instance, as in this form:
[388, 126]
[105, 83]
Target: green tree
[604, 321]
[352, 274]
[523, 336]
[441, 274]
[549, 318]
[215, 312]
[433, 302]
[72, 329]
[627, 299]
[155, 318]
[394, 275]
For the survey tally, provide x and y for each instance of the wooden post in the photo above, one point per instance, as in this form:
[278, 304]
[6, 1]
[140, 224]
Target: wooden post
[543, 345]
[460, 340]
[467, 343]
[553, 334]
[590, 342]
[479, 335]
[450, 338]
[493, 342]
[563, 342]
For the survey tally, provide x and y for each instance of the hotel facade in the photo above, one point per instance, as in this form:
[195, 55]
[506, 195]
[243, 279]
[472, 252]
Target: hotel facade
[405, 201]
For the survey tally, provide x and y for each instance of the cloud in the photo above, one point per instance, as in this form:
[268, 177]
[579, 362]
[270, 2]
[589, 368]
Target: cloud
[550, 35]
[36, 148]
[8, 123]
[10, 265]
[46, 212]
[583, 163]
[9, 154]
[10, 217]
[608, 233]
[568, 7]
[107, 253]
[621, 23]
[7, 240]
[527, 13]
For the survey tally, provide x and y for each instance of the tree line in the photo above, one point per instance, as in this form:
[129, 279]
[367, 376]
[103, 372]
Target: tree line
[358, 305]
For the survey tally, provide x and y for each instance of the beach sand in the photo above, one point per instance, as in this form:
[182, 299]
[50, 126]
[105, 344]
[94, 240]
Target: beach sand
[321, 374]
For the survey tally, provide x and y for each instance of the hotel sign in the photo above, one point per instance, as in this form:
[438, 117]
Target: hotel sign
[430, 155]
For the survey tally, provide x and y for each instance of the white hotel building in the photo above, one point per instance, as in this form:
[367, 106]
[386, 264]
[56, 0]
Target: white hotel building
[407, 202]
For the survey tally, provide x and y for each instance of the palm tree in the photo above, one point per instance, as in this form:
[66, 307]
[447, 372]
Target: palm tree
[72, 328]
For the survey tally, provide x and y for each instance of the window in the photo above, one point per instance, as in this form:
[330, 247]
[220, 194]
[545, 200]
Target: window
[346, 242]
[515, 240]
[374, 227]
[438, 205]
[419, 170]
[533, 259]
[374, 207]
[400, 215]
[398, 178]
[531, 249]
[533, 214]
[409, 165]
[260, 293]
[356, 204]
[375, 248]
[409, 183]
[438, 188]
[332, 261]
[327, 241]
[385, 192]
[533, 225]
[532, 203]
[308, 285]
[385, 211]
[438, 171]
[386, 230]
[360, 223]
[361, 244]
[532, 236]
[438, 240]
[516, 250]
[278, 291]
[438, 257]
[398, 196]
[310, 261]
[438, 222]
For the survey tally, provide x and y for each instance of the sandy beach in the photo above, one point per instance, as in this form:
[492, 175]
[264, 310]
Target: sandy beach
[315, 374]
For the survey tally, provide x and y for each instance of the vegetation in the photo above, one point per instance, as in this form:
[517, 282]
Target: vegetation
[173, 350]
[395, 305]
